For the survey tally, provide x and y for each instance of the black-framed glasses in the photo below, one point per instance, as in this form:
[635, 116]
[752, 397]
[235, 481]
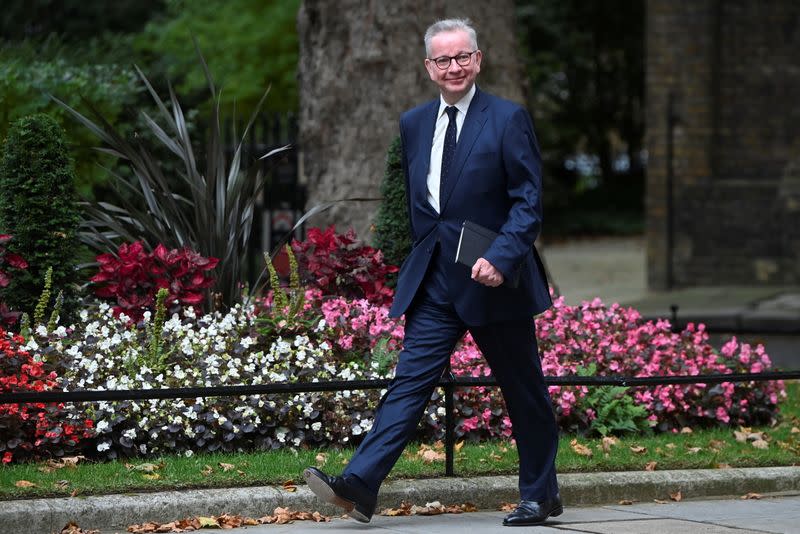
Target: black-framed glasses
[463, 59]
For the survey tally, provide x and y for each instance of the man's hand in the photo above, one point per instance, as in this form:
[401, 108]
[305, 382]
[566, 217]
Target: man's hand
[485, 273]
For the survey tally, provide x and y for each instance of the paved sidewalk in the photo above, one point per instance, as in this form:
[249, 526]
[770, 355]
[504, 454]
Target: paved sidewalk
[773, 514]
[39, 516]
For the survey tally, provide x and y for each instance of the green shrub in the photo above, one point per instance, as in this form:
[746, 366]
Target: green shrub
[29, 72]
[38, 207]
[392, 230]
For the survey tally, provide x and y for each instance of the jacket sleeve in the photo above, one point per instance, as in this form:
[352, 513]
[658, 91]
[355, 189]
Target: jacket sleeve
[523, 168]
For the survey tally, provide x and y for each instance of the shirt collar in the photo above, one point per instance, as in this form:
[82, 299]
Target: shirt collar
[462, 105]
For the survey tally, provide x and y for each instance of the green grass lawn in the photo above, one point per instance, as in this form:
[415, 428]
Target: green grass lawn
[701, 449]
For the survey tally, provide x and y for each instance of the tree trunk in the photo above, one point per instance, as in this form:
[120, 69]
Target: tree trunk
[361, 66]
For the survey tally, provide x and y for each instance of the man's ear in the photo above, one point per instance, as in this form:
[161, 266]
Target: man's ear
[478, 57]
[429, 66]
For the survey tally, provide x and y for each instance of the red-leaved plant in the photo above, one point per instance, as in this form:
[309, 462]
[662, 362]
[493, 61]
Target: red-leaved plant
[340, 265]
[132, 278]
[8, 259]
[36, 429]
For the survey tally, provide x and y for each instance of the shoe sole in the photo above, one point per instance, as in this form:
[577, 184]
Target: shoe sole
[556, 512]
[322, 490]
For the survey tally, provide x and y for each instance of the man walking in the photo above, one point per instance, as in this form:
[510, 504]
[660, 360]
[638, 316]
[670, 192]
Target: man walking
[467, 156]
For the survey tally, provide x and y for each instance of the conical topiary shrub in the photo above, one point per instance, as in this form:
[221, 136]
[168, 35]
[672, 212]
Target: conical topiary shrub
[38, 207]
[392, 231]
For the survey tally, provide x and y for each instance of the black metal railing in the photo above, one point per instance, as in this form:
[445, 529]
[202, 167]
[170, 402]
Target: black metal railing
[449, 383]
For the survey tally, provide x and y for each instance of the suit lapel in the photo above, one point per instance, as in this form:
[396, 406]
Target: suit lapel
[473, 123]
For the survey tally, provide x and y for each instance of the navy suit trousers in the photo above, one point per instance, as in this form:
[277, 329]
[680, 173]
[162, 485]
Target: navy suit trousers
[432, 330]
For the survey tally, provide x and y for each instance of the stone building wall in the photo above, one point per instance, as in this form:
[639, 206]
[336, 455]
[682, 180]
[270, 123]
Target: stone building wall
[727, 72]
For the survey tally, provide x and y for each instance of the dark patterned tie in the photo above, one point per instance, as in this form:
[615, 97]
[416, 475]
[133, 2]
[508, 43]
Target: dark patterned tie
[448, 151]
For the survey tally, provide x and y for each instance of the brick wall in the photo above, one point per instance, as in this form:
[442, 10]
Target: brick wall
[731, 71]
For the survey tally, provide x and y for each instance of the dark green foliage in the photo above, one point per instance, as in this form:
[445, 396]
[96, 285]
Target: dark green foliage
[585, 66]
[249, 44]
[208, 207]
[392, 230]
[74, 20]
[38, 207]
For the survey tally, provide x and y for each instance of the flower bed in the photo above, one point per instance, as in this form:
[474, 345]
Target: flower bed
[337, 338]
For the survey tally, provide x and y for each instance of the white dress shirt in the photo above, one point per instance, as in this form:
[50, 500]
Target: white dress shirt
[442, 120]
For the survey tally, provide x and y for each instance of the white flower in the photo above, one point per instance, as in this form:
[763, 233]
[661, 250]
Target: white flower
[356, 430]
[280, 433]
[188, 453]
[316, 426]
[321, 325]
[247, 342]
[84, 315]
[41, 330]
[61, 331]
[143, 448]
[102, 426]
[103, 446]
[130, 433]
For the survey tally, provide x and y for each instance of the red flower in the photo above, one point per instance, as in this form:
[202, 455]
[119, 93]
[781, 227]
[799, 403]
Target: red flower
[133, 277]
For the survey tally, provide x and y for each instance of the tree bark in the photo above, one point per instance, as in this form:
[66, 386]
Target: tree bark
[361, 65]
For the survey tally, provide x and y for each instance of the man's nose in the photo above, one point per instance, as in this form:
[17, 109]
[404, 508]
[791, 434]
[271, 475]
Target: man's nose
[454, 66]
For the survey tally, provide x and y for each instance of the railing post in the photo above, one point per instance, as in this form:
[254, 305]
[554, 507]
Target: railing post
[449, 422]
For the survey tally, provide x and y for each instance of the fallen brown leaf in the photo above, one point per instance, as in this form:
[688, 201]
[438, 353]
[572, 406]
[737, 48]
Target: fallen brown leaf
[458, 446]
[403, 510]
[321, 458]
[608, 442]
[151, 476]
[723, 466]
[638, 449]
[24, 484]
[794, 430]
[670, 445]
[61, 484]
[583, 450]
[660, 501]
[289, 486]
[226, 467]
[627, 502]
[507, 507]
[717, 444]
[686, 430]
[677, 496]
[760, 444]
[650, 466]
[208, 522]
[207, 470]
[755, 496]
[73, 528]
[145, 468]
[694, 450]
[429, 455]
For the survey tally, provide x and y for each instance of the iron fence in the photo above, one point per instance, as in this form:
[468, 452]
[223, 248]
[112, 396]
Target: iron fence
[448, 383]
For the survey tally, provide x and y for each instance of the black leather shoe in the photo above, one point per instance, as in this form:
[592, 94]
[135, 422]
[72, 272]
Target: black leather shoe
[358, 503]
[533, 513]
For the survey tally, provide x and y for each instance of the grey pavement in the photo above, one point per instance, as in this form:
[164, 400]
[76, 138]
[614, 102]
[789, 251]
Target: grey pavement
[116, 512]
[773, 514]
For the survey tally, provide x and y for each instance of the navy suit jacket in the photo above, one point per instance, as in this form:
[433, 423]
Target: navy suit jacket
[495, 181]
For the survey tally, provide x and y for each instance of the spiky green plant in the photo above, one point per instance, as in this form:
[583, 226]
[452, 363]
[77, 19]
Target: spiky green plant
[214, 218]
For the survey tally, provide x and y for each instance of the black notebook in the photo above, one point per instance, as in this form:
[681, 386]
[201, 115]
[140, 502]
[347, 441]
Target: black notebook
[473, 242]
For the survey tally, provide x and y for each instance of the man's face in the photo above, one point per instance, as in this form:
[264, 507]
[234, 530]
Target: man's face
[454, 81]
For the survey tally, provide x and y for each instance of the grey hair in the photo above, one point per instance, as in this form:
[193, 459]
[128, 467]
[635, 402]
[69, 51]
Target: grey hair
[449, 25]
